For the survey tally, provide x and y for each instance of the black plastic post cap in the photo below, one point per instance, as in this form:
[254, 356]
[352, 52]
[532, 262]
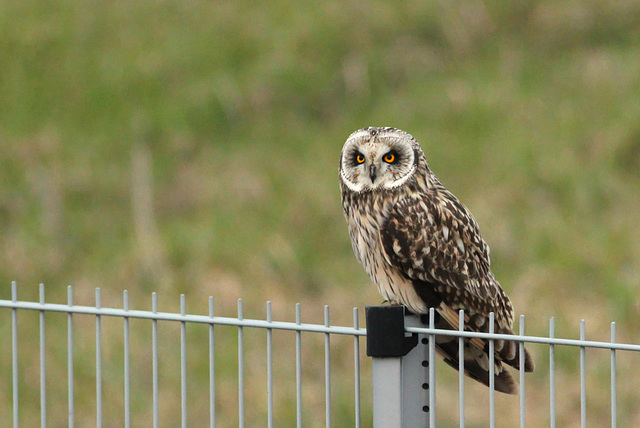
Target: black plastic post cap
[385, 332]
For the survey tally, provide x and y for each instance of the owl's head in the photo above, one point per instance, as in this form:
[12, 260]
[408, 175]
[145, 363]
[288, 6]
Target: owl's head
[378, 158]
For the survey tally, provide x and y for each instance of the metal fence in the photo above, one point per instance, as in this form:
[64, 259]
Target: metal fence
[211, 321]
[403, 392]
[398, 380]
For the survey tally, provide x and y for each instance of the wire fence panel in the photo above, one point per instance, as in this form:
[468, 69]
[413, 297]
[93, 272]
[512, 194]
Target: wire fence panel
[147, 367]
[75, 365]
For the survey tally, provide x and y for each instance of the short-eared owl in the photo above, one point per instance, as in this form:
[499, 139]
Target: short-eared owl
[422, 247]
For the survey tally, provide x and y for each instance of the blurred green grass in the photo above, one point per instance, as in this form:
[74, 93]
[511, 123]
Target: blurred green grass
[192, 147]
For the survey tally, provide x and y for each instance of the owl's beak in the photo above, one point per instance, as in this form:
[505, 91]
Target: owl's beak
[372, 172]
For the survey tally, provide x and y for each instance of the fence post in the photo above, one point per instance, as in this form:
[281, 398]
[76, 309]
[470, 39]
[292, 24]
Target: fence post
[400, 364]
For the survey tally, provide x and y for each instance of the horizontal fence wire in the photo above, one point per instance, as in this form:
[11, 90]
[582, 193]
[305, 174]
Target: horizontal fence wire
[241, 324]
[170, 316]
[314, 328]
[527, 339]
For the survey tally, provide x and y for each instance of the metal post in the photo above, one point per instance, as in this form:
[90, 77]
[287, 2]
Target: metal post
[400, 368]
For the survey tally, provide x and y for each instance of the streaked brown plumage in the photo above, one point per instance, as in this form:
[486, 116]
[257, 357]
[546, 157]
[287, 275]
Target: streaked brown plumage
[423, 248]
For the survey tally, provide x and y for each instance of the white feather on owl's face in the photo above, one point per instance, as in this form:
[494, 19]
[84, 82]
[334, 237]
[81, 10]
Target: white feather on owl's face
[375, 158]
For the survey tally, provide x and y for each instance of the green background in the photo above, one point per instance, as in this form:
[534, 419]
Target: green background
[192, 147]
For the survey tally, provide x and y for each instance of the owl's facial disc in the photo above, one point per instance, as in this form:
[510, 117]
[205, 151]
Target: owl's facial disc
[373, 160]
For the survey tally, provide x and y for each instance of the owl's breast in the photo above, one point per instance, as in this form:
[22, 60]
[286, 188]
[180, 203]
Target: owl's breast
[365, 221]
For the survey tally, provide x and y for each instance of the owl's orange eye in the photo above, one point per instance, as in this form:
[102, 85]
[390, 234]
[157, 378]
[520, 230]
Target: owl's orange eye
[389, 158]
[360, 158]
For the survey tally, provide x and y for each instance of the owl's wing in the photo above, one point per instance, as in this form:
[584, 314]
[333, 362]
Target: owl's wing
[432, 237]
[433, 240]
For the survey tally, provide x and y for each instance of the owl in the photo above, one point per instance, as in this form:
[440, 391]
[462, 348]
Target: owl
[422, 248]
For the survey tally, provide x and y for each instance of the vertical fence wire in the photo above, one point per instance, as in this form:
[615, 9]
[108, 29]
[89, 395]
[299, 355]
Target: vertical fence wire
[356, 366]
[521, 373]
[70, 356]
[14, 354]
[154, 359]
[240, 369]
[298, 368]
[127, 396]
[461, 366]
[552, 376]
[583, 383]
[269, 369]
[183, 363]
[327, 369]
[212, 372]
[432, 371]
[614, 421]
[98, 362]
[492, 369]
[43, 365]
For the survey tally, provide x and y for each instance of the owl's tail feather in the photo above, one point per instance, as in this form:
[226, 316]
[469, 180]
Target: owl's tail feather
[503, 381]
[509, 352]
[476, 355]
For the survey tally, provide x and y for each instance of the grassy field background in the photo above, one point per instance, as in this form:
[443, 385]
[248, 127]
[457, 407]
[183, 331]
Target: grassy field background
[192, 147]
